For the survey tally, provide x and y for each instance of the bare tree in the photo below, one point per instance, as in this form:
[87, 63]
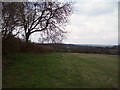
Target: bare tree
[46, 17]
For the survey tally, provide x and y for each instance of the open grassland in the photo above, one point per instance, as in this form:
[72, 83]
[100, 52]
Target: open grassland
[61, 70]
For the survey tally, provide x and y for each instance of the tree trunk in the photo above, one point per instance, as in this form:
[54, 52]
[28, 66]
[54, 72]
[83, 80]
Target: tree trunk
[27, 42]
[27, 37]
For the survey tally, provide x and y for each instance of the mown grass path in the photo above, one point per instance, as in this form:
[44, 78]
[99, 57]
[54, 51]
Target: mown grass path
[61, 70]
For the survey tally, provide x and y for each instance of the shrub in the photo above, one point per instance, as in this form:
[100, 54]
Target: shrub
[11, 45]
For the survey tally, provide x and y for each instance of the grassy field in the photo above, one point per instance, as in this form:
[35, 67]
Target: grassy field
[61, 70]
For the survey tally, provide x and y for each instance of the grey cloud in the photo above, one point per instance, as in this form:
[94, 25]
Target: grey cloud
[95, 9]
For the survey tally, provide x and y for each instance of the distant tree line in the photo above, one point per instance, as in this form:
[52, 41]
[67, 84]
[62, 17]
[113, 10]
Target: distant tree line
[71, 48]
[14, 45]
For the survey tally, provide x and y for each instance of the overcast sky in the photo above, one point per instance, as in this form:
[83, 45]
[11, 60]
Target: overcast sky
[93, 22]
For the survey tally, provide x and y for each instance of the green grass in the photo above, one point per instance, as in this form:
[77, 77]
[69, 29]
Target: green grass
[61, 70]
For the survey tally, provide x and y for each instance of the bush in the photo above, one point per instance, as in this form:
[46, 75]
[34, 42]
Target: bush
[14, 45]
[11, 45]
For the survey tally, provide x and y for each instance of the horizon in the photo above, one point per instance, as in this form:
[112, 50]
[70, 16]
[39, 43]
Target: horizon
[83, 44]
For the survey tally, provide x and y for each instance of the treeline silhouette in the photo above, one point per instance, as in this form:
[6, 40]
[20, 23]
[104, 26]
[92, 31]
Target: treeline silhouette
[14, 45]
